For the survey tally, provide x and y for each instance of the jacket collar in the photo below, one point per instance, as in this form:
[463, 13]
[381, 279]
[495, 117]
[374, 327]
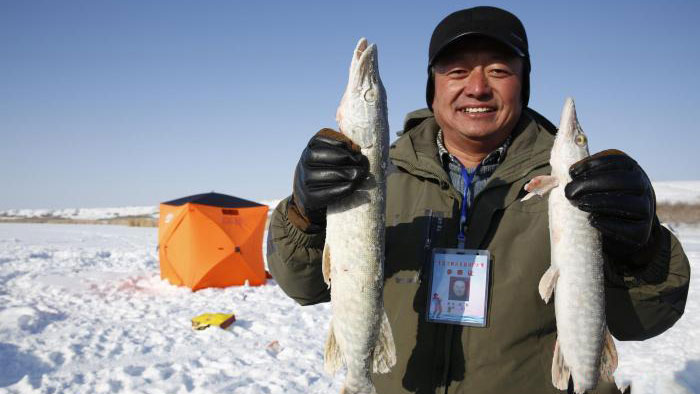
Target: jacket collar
[417, 152]
[533, 136]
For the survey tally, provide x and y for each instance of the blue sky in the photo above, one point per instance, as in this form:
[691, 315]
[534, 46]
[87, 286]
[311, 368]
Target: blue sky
[111, 103]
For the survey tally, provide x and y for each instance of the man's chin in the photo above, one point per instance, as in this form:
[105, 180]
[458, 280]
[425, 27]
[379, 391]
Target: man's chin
[479, 135]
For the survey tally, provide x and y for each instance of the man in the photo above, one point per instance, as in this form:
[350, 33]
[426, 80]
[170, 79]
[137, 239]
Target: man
[479, 144]
[458, 289]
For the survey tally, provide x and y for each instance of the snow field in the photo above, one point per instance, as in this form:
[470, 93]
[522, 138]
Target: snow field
[670, 362]
[677, 192]
[83, 310]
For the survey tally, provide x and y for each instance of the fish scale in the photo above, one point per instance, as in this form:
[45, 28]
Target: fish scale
[585, 300]
[360, 337]
[584, 350]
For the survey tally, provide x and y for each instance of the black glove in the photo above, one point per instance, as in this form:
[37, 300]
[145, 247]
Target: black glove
[618, 194]
[330, 167]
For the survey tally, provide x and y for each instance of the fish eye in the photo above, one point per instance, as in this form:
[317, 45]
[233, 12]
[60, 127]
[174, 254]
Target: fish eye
[580, 140]
[370, 95]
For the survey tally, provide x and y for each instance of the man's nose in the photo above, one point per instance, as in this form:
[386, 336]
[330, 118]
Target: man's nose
[476, 85]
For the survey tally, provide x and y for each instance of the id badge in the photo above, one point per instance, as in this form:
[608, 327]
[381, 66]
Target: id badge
[459, 288]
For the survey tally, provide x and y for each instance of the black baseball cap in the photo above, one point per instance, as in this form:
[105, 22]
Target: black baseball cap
[484, 21]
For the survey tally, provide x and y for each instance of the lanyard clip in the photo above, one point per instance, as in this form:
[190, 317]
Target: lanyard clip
[460, 241]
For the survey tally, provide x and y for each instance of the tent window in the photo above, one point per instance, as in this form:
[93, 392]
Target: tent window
[230, 211]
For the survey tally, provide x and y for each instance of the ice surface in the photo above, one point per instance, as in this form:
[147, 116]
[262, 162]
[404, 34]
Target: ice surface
[83, 310]
[670, 362]
[678, 192]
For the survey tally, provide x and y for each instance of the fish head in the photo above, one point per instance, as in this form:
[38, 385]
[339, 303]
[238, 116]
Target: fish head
[364, 102]
[570, 144]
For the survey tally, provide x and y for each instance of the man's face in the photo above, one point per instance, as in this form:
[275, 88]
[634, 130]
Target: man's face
[459, 287]
[478, 86]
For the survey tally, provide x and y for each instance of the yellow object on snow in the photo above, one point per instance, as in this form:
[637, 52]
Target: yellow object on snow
[222, 320]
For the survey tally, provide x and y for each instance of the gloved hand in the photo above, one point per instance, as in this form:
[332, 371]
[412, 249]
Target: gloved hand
[331, 167]
[618, 194]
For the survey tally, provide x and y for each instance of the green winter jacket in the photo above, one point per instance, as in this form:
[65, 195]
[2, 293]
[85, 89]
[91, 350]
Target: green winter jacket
[513, 353]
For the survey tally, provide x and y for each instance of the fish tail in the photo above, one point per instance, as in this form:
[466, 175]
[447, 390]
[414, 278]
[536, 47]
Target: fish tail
[560, 371]
[384, 353]
[354, 385]
[608, 358]
[333, 356]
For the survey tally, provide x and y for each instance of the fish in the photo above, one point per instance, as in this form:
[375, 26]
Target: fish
[584, 350]
[360, 336]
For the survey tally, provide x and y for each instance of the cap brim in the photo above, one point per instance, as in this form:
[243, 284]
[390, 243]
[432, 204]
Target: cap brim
[516, 50]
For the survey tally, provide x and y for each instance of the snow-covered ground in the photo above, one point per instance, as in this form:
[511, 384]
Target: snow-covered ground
[678, 191]
[83, 310]
[670, 362]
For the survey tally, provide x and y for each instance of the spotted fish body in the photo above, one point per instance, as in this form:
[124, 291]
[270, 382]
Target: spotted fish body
[584, 350]
[360, 337]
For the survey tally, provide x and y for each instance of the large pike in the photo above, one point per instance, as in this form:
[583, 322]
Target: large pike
[353, 258]
[584, 350]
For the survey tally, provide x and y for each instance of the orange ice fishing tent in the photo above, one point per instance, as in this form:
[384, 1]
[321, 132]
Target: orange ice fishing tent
[211, 240]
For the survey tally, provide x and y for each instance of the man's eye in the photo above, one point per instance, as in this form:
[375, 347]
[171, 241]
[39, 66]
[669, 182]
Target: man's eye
[499, 72]
[455, 72]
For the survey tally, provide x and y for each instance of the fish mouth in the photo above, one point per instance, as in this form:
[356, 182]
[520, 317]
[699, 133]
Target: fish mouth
[364, 64]
[569, 121]
[360, 48]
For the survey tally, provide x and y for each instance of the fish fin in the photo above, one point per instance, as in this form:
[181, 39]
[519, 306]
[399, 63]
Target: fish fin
[332, 357]
[560, 371]
[540, 185]
[608, 358]
[384, 353]
[548, 283]
[527, 197]
[326, 264]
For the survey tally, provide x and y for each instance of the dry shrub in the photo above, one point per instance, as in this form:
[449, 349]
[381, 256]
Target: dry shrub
[143, 222]
[134, 221]
[678, 213]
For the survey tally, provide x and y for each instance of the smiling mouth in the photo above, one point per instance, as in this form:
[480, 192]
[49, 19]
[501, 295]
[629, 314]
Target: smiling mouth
[477, 110]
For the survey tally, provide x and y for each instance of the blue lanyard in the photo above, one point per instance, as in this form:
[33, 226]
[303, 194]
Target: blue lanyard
[468, 178]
